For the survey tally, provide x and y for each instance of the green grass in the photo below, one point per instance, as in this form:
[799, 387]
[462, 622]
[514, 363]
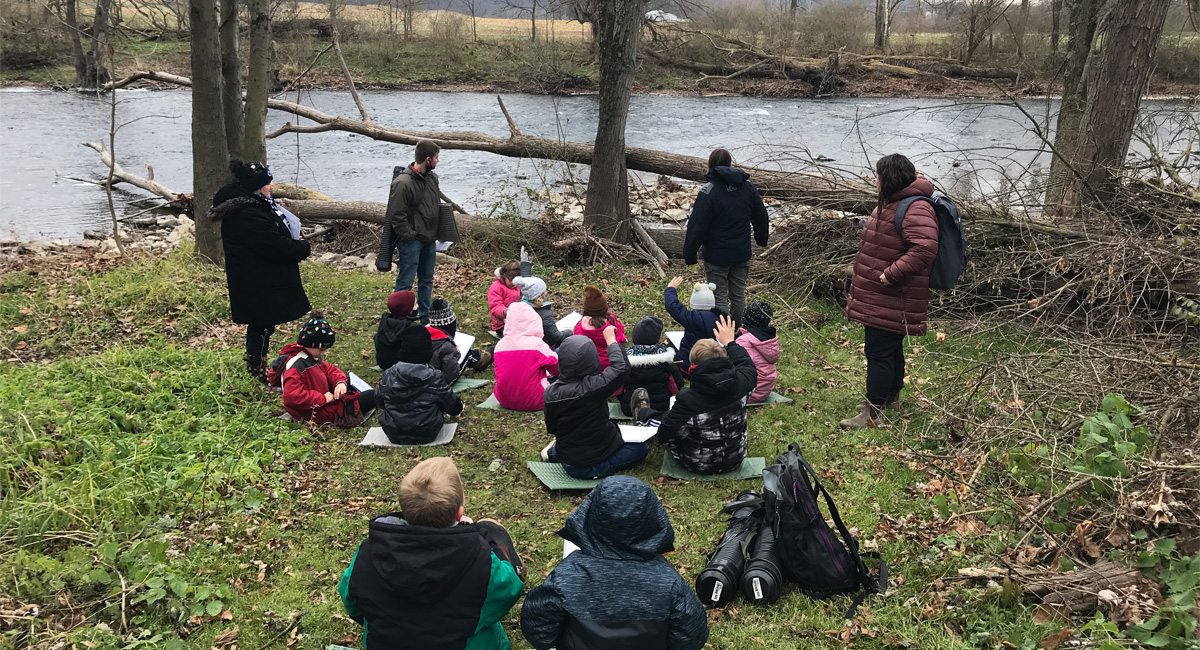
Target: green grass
[137, 449]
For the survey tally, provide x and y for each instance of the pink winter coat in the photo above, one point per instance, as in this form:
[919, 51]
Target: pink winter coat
[500, 296]
[523, 361]
[584, 327]
[765, 355]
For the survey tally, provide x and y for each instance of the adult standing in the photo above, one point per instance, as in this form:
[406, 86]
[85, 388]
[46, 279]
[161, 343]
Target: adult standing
[725, 210]
[889, 293]
[412, 213]
[263, 249]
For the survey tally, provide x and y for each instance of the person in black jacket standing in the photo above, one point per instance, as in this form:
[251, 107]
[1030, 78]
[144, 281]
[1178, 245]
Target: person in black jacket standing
[725, 209]
[263, 250]
[412, 214]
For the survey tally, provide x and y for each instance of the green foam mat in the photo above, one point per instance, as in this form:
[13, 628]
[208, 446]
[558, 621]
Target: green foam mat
[750, 468]
[554, 477]
[467, 383]
[615, 412]
[376, 369]
[340, 647]
[492, 403]
[773, 398]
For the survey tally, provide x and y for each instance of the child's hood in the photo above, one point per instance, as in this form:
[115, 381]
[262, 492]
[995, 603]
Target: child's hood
[620, 519]
[290, 349]
[418, 563]
[650, 355]
[522, 320]
[716, 377]
[757, 339]
[577, 358]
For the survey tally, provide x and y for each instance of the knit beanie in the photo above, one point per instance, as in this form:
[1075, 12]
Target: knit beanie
[702, 297]
[705, 349]
[531, 287]
[316, 332]
[415, 346]
[647, 331]
[758, 314]
[595, 303]
[251, 176]
[442, 316]
[400, 303]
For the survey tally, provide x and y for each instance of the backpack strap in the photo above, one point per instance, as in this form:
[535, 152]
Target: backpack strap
[902, 209]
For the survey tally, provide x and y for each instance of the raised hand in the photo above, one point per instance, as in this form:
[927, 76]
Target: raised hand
[725, 332]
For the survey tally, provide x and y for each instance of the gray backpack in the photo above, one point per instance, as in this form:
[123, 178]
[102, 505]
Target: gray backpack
[951, 257]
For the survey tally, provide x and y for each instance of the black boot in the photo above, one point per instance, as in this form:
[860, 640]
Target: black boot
[762, 581]
[718, 583]
[257, 367]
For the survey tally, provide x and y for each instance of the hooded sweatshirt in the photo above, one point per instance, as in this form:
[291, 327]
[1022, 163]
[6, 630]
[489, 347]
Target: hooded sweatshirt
[725, 210]
[762, 343]
[305, 381]
[652, 367]
[706, 429]
[387, 338]
[523, 361]
[617, 591]
[421, 587]
[577, 404]
[500, 296]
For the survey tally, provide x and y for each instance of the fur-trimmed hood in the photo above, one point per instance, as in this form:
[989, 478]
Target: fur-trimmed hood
[650, 355]
[230, 199]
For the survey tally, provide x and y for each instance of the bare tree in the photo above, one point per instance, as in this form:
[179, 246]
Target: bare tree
[472, 9]
[231, 77]
[526, 7]
[1081, 30]
[258, 84]
[1055, 25]
[618, 28]
[1020, 27]
[884, 12]
[71, 20]
[210, 154]
[95, 73]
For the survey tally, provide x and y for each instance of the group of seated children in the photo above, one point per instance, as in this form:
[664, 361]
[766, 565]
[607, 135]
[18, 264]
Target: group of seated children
[430, 577]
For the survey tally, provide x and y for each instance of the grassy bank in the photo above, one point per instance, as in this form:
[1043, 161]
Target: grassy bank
[151, 498]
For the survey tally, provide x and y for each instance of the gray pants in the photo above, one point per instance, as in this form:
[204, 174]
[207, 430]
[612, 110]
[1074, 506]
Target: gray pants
[731, 287]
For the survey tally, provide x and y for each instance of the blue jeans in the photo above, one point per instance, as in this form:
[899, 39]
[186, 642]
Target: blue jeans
[627, 455]
[416, 258]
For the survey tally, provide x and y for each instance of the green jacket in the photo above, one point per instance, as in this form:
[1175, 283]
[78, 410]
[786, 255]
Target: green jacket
[412, 207]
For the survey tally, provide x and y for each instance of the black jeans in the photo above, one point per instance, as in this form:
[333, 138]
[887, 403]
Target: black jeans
[885, 364]
[366, 400]
[258, 341]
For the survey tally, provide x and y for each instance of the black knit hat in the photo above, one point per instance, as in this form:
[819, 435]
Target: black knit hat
[415, 345]
[758, 314]
[317, 332]
[647, 331]
[251, 176]
[441, 314]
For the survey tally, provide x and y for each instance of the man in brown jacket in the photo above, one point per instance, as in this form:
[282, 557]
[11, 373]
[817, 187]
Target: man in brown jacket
[412, 212]
[889, 293]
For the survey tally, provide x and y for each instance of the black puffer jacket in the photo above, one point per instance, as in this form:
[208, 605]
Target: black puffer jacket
[262, 261]
[706, 429]
[551, 334]
[577, 404]
[413, 401]
[652, 367]
[617, 591]
[445, 355]
[387, 338]
[725, 209]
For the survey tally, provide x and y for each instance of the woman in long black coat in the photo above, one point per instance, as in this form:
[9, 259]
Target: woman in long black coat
[263, 250]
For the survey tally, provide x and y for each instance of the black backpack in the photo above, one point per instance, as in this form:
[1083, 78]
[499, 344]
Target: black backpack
[951, 257]
[813, 557]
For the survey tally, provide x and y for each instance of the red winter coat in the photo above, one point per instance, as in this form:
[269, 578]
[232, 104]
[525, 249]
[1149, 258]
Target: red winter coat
[305, 381]
[899, 306]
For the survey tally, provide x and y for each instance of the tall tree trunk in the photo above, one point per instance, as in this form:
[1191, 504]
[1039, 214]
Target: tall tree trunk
[618, 27]
[1055, 27]
[231, 78]
[210, 153]
[258, 84]
[533, 21]
[96, 72]
[77, 55]
[1123, 64]
[1085, 15]
[1020, 28]
[883, 23]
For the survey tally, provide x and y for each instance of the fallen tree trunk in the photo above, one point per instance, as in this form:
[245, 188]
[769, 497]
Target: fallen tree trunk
[120, 175]
[818, 190]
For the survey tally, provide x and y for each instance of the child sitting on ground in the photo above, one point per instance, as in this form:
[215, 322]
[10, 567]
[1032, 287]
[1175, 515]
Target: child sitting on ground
[706, 428]
[596, 317]
[429, 577]
[617, 591]
[395, 320]
[314, 390]
[524, 363]
[651, 366]
[414, 397]
[698, 322]
[533, 291]
[586, 442]
[443, 325]
[501, 294]
[759, 339]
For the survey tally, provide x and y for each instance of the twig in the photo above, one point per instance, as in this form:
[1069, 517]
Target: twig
[512, 126]
[112, 166]
[337, 48]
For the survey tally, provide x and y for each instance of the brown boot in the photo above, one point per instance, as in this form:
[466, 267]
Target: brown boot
[485, 360]
[892, 403]
[869, 415]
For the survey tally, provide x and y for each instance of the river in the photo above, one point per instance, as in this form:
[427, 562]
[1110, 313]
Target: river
[968, 146]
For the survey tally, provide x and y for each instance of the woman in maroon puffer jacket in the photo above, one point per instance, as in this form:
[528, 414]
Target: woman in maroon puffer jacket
[889, 294]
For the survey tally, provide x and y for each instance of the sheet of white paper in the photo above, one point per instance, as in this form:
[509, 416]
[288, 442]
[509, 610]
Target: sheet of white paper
[569, 321]
[443, 246]
[358, 383]
[463, 342]
[568, 548]
[676, 339]
[631, 433]
[377, 438]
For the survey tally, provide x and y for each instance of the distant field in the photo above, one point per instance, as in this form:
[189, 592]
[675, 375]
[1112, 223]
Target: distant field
[432, 23]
